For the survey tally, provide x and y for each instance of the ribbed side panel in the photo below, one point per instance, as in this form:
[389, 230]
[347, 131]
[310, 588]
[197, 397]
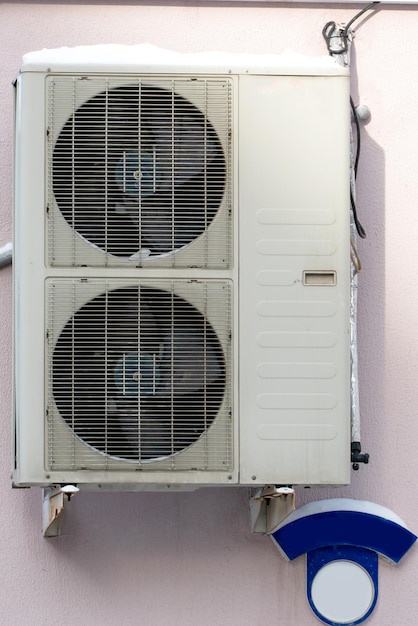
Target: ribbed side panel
[139, 172]
[294, 280]
[139, 375]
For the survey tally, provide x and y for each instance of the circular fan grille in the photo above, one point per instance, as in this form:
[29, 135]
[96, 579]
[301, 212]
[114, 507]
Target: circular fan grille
[138, 373]
[138, 170]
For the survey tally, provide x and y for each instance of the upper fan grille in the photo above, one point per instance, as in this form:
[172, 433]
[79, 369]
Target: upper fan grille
[140, 169]
[138, 376]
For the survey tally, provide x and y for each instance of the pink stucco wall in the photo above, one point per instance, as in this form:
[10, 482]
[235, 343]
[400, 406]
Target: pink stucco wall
[157, 559]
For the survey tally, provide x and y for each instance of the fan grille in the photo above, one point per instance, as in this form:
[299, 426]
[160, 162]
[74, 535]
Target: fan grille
[139, 172]
[139, 375]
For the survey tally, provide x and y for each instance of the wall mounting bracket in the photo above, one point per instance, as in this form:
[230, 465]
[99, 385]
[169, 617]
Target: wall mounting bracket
[53, 508]
[269, 506]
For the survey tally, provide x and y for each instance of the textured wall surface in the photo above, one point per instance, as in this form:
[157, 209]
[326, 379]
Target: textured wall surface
[157, 559]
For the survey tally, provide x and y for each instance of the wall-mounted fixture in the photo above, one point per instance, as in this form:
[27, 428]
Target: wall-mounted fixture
[342, 539]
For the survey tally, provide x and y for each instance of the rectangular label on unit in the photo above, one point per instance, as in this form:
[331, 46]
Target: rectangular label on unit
[320, 278]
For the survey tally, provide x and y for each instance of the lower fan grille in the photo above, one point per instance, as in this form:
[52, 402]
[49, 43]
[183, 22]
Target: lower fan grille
[139, 375]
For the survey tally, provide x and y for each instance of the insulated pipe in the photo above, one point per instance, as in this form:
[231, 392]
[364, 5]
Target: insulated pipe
[342, 42]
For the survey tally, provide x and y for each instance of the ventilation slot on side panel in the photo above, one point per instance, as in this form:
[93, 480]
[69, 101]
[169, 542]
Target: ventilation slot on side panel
[139, 172]
[139, 375]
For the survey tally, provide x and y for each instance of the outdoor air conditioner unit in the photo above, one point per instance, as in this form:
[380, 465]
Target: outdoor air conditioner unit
[182, 269]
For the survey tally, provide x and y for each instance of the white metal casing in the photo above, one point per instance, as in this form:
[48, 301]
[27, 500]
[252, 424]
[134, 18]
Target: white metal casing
[289, 275]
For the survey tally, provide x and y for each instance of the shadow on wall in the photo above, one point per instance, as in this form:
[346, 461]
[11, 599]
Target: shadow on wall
[195, 517]
[372, 309]
[191, 531]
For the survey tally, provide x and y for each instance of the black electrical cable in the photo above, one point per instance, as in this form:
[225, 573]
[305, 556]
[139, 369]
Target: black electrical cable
[330, 28]
[328, 33]
[358, 136]
[360, 230]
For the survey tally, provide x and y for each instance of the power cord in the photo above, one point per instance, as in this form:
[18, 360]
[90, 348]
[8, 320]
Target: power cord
[330, 28]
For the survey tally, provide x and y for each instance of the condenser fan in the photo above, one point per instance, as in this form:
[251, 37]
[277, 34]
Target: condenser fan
[138, 171]
[138, 373]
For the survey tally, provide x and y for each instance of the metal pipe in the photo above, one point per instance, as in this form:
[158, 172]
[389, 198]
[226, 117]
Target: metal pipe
[6, 255]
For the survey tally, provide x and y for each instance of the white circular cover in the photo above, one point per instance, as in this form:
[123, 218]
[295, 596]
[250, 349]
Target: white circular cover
[342, 592]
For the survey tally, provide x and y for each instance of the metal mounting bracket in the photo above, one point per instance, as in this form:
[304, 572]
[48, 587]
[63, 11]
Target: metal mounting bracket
[269, 506]
[53, 508]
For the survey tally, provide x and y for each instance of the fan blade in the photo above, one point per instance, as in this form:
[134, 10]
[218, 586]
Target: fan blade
[190, 361]
[163, 426]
